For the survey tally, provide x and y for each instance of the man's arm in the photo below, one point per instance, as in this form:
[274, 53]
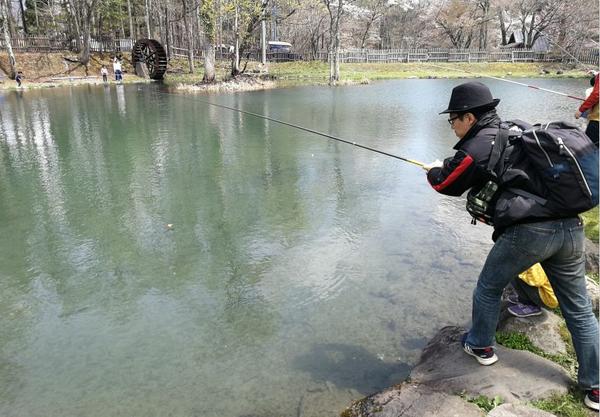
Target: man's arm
[455, 176]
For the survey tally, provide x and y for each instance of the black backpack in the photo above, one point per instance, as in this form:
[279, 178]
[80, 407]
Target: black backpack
[543, 171]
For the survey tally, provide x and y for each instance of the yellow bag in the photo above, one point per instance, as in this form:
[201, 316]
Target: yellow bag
[536, 277]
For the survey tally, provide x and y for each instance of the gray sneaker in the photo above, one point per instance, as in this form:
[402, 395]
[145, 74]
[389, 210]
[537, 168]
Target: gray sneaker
[485, 356]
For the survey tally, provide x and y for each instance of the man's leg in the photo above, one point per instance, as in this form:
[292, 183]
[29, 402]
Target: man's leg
[566, 272]
[527, 293]
[517, 249]
[592, 131]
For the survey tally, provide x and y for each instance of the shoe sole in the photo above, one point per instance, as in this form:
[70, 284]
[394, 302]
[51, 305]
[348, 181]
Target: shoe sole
[482, 361]
[539, 313]
[522, 316]
[590, 404]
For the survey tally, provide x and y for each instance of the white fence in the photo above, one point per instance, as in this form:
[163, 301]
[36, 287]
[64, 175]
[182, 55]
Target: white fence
[588, 56]
[585, 56]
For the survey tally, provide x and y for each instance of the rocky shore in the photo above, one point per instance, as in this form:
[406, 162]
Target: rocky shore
[447, 382]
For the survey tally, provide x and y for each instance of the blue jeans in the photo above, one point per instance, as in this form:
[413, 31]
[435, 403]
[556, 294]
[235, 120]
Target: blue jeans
[559, 246]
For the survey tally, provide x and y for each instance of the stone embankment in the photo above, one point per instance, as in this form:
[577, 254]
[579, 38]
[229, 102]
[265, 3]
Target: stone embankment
[446, 378]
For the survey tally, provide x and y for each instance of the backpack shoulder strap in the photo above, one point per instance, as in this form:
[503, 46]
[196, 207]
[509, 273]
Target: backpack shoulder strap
[498, 147]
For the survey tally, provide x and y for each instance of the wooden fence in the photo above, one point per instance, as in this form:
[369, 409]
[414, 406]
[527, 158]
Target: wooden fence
[585, 56]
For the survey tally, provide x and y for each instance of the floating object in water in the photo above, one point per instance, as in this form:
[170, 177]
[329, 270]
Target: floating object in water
[169, 226]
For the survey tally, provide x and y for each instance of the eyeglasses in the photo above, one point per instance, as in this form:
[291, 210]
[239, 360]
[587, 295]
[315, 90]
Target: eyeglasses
[452, 119]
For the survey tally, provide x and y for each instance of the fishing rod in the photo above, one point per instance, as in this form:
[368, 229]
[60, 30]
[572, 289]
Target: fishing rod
[507, 81]
[410, 161]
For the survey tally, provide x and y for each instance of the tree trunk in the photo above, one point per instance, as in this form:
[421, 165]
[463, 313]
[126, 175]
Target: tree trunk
[7, 40]
[147, 18]
[78, 30]
[35, 11]
[235, 67]
[84, 56]
[207, 14]
[189, 35]
[503, 30]
[132, 33]
[334, 44]
[209, 62]
[23, 17]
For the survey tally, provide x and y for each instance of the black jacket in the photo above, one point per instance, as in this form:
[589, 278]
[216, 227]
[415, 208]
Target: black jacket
[467, 169]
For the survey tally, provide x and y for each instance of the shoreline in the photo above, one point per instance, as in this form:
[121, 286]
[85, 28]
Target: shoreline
[49, 72]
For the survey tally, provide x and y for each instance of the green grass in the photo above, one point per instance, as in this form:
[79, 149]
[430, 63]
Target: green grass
[520, 341]
[566, 405]
[317, 72]
[590, 221]
[486, 403]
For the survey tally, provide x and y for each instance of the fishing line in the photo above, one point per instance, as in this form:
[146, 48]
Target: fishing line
[410, 161]
[505, 80]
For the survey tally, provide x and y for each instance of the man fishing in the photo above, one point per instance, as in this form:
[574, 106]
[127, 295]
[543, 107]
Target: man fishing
[526, 237]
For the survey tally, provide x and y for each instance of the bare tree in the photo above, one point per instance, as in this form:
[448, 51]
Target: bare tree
[208, 16]
[457, 20]
[373, 11]
[335, 8]
[7, 39]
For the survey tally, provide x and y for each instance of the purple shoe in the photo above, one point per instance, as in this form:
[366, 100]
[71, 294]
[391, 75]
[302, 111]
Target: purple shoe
[524, 310]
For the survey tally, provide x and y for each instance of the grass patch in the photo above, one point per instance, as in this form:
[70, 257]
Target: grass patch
[317, 72]
[594, 277]
[566, 405]
[520, 341]
[590, 221]
[486, 403]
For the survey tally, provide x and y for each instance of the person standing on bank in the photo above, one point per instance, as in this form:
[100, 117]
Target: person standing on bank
[117, 69]
[556, 243]
[104, 73]
[19, 78]
[591, 105]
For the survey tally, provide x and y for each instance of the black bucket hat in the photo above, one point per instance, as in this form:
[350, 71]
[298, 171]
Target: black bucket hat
[469, 96]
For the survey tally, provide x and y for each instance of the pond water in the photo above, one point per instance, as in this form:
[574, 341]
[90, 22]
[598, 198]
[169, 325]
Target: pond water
[163, 257]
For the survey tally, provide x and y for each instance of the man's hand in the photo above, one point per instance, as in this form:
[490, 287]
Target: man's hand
[435, 164]
[577, 114]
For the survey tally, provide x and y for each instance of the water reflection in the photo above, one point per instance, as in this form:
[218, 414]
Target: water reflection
[288, 255]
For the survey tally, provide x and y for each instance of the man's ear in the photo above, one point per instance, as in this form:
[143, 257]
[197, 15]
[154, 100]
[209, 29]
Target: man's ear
[471, 118]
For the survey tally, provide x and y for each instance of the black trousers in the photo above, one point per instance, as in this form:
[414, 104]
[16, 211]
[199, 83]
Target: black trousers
[592, 131]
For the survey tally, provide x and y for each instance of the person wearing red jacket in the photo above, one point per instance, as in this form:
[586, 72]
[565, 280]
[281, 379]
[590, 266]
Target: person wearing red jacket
[591, 105]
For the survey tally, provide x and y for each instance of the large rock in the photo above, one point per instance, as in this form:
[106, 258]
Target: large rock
[594, 293]
[141, 70]
[516, 410]
[543, 331]
[518, 376]
[409, 400]
[591, 257]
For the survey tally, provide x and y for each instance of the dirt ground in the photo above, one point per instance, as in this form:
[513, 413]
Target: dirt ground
[49, 67]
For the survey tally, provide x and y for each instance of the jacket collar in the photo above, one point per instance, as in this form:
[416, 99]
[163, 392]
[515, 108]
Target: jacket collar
[489, 119]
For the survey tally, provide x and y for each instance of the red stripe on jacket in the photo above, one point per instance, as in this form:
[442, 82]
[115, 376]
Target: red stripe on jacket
[464, 164]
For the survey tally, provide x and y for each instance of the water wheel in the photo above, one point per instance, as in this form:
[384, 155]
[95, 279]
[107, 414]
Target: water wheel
[152, 53]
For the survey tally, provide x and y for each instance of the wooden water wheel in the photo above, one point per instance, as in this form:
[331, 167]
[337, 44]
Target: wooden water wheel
[152, 53]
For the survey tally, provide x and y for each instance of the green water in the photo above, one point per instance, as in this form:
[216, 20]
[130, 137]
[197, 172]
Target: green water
[162, 257]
